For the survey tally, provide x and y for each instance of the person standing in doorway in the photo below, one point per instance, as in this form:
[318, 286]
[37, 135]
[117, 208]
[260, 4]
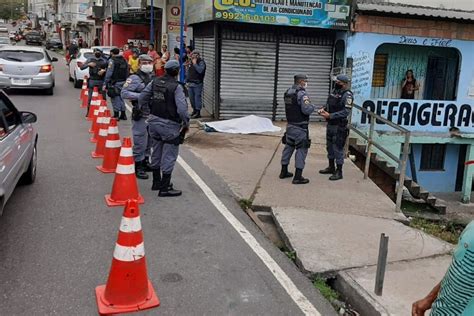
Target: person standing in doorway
[409, 85]
[195, 81]
[117, 73]
[298, 108]
[336, 113]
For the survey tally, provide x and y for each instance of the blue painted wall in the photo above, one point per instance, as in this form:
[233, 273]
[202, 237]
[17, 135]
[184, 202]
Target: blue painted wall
[437, 181]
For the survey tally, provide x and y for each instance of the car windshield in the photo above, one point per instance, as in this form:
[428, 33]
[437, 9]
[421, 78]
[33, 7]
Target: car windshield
[20, 55]
[33, 33]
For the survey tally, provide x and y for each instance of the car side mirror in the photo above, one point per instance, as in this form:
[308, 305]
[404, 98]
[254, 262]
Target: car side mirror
[54, 59]
[28, 117]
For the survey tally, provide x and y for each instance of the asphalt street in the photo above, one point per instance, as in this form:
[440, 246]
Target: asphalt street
[57, 236]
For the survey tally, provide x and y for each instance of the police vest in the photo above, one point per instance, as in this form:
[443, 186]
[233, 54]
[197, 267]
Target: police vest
[94, 71]
[120, 72]
[194, 76]
[163, 103]
[335, 104]
[292, 108]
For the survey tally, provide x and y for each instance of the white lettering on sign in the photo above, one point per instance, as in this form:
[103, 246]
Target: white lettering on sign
[439, 42]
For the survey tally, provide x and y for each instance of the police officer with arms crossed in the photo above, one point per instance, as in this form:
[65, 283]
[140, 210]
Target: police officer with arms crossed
[97, 67]
[336, 112]
[135, 84]
[298, 108]
[117, 73]
[164, 99]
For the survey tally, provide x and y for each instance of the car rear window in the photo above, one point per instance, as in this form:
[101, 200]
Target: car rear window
[21, 55]
[88, 55]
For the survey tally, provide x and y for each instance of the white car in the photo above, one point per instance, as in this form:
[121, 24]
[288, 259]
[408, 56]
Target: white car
[76, 75]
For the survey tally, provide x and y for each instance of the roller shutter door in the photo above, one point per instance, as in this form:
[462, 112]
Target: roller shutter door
[247, 78]
[312, 60]
[206, 46]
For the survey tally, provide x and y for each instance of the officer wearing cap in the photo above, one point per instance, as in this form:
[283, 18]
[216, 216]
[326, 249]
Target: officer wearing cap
[298, 108]
[97, 67]
[168, 121]
[336, 113]
[135, 84]
[195, 80]
[117, 73]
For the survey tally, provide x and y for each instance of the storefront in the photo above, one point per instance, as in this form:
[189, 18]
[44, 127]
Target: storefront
[439, 113]
[254, 49]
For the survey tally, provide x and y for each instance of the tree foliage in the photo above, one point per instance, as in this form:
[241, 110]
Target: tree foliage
[11, 9]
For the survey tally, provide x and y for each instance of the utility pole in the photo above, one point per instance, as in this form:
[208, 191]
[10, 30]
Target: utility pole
[182, 51]
[152, 23]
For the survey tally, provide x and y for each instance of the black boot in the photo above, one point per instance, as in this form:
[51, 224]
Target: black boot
[139, 170]
[116, 115]
[193, 113]
[196, 115]
[337, 175]
[146, 165]
[166, 189]
[284, 172]
[298, 179]
[156, 180]
[123, 116]
[330, 169]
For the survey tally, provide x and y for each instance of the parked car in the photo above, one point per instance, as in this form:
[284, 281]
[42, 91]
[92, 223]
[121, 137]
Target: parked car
[76, 75]
[54, 43]
[4, 41]
[23, 67]
[18, 152]
[33, 37]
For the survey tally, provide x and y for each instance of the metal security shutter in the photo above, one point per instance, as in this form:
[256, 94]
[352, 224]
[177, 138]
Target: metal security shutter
[312, 60]
[206, 46]
[247, 78]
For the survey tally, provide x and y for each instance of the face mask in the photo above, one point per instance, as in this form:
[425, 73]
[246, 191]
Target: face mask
[146, 68]
[338, 86]
[305, 85]
[97, 55]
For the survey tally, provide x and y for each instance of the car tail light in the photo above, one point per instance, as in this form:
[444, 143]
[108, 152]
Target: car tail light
[46, 68]
[1, 67]
[80, 64]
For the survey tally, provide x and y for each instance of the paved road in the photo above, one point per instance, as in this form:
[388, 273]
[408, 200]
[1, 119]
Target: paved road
[57, 236]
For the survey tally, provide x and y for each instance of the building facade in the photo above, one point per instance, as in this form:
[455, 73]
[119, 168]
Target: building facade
[386, 41]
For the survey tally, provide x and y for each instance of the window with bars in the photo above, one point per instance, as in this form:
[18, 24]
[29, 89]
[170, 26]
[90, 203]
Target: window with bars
[432, 157]
[380, 70]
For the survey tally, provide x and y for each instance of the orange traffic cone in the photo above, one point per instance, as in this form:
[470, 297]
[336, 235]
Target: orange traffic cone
[95, 126]
[98, 119]
[125, 183]
[102, 136]
[128, 288]
[95, 103]
[84, 93]
[112, 148]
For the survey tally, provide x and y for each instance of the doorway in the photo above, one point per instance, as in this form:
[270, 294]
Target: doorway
[461, 166]
[440, 78]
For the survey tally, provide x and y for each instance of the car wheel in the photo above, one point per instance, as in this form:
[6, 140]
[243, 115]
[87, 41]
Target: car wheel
[49, 91]
[29, 176]
[77, 83]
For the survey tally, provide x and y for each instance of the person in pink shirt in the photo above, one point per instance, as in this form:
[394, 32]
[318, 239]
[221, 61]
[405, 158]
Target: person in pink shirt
[152, 52]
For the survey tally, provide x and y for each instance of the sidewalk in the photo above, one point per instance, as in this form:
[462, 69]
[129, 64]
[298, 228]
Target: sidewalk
[334, 227]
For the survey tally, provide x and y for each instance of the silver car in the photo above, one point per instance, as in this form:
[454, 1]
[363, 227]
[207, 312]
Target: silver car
[18, 155]
[23, 67]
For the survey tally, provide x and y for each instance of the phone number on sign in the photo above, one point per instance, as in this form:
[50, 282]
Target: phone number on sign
[245, 17]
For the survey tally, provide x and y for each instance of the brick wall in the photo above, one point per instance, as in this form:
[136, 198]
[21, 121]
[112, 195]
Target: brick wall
[413, 27]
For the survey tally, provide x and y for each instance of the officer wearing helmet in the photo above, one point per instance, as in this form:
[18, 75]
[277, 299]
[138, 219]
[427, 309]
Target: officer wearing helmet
[336, 113]
[135, 84]
[298, 108]
[97, 65]
[168, 121]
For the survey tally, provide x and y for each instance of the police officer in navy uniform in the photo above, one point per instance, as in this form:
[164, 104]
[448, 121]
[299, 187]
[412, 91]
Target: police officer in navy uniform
[117, 73]
[298, 108]
[168, 121]
[135, 84]
[336, 112]
[97, 68]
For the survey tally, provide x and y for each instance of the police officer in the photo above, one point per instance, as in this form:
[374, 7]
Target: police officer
[336, 113]
[131, 91]
[195, 79]
[168, 121]
[298, 108]
[117, 73]
[97, 67]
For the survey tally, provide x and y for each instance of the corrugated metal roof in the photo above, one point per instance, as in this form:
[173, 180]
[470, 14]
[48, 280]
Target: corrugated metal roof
[395, 8]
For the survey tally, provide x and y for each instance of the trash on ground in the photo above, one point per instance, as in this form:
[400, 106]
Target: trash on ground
[250, 124]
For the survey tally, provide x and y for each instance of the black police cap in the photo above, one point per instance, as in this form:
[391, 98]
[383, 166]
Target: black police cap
[300, 77]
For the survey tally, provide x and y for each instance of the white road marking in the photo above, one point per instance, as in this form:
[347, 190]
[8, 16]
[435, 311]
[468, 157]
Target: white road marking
[299, 298]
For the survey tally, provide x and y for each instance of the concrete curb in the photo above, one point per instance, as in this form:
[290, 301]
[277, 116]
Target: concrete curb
[357, 296]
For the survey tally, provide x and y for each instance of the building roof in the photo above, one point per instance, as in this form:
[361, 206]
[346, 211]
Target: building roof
[404, 9]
